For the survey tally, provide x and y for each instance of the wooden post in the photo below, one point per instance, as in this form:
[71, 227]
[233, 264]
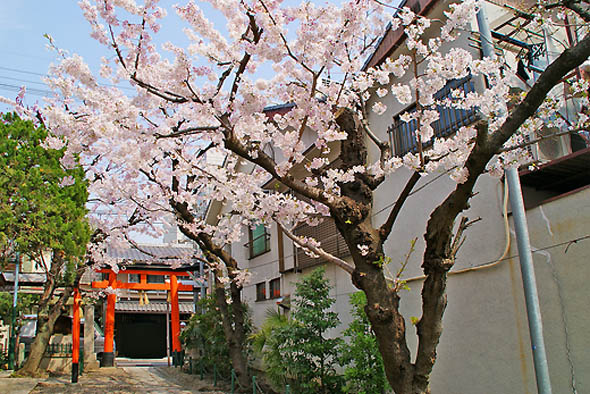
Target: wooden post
[175, 319]
[108, 355]
[76, 336]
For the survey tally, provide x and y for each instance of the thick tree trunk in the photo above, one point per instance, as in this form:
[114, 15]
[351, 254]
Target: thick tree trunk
[234, 330]
[233, 318]
[382, 310]
[353, 220]
[45, 324]
[46, 317]
[48, 314]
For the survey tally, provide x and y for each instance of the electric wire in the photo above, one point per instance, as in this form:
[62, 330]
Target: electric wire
[33, 91]
[22, 80]
[45, 75]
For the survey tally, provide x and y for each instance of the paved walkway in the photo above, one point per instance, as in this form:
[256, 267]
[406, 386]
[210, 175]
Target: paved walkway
[157, 379]
[16, 385]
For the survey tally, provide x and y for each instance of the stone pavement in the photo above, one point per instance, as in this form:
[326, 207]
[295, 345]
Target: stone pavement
[16, 385]
[116, 380]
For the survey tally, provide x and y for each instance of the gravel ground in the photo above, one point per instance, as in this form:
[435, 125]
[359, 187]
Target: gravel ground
[131, 380]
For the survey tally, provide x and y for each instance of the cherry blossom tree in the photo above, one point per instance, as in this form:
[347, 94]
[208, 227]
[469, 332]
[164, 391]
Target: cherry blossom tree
[146, 152]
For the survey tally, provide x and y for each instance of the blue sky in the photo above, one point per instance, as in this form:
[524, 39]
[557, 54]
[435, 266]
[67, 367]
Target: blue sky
[24, 57]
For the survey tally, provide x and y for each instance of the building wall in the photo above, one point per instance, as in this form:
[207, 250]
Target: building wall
[562, 267]
[485, 346]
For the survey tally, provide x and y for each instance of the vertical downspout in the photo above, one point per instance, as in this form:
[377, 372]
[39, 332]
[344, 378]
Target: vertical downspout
[524, 249]
[529, 282]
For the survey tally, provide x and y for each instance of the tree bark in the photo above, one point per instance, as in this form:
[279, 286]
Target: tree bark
[46, 317]
[45, 324]
[233, 318]
[234, 330]
[353, 220]
[48, 314]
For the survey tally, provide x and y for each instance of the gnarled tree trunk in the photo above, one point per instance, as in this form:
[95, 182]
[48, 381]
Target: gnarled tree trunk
[46, 318]
[234, 330]
[48, 314]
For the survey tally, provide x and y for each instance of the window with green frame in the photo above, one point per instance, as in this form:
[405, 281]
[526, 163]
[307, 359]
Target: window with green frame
[258, 240]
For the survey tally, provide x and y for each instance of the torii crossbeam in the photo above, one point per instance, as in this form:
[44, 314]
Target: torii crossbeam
[108, 357]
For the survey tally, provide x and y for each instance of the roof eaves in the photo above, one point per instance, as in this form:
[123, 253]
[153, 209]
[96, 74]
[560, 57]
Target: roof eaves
[391, 39]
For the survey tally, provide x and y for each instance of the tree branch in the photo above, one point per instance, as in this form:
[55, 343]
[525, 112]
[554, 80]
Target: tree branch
[257, 33]
[187, 131]
[268, 164]
[319, 251]
[578, 9]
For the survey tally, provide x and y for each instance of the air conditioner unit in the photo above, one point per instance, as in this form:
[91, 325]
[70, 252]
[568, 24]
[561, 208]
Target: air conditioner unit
[551, 148]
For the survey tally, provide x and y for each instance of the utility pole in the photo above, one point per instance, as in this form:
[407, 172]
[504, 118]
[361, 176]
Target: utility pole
[12, 342]
[524, 247]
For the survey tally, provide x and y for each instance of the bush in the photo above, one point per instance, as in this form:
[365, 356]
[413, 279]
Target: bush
[364, 373]
[204, 333]
[298, 352]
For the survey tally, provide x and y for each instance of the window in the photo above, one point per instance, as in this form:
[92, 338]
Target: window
[275, 288]
[133, 278]
[402, 135]
[261, 291]
[330, 238]
[156, 279]
[259, 241]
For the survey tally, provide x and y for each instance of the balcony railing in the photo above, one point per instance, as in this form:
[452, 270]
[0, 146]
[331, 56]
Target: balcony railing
[402, 135]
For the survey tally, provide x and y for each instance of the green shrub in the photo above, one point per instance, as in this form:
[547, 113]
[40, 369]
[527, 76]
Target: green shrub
[204, 333]
[364, 371]
[299, 352]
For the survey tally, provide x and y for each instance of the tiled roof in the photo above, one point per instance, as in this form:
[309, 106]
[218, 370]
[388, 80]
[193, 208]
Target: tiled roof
[152, 252]
[152, 307]
[24, 278]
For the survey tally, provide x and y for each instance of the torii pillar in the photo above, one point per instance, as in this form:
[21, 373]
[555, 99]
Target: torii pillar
[176, 350]
[108, 355]
[76, 335]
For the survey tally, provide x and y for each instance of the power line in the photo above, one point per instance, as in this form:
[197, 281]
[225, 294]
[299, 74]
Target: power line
[23, 80]
[45, 75]
[33, 91]
[27, 55]
[22, 71]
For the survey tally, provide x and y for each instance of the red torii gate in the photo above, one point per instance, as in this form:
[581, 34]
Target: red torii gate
[108, 357]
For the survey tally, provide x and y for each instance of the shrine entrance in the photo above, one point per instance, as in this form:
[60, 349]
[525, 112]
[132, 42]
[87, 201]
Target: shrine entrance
[172, 287]
[140, 335]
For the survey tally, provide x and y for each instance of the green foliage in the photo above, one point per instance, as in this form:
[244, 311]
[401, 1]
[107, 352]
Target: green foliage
[273, 321]
[204, 333]
[299, 352]
[364, 371]
[383, 260]
[267, 342]
[26, 304]
[36, 213]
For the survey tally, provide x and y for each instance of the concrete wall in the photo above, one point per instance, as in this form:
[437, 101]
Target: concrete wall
[485, 346]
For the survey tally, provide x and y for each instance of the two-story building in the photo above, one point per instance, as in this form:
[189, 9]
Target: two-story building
[485, 346]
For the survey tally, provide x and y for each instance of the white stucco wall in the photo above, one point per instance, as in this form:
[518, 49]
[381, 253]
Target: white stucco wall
[485, 346]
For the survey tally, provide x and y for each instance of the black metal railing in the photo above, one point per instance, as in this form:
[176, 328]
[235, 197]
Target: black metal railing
[402, 135]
